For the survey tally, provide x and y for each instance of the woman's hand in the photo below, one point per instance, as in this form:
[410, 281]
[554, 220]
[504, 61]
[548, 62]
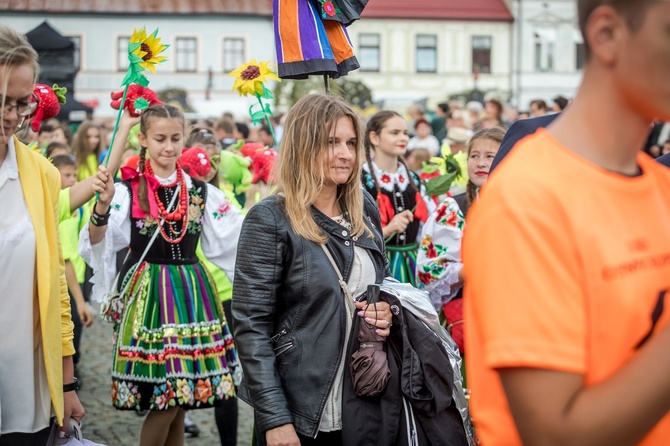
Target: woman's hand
[377, 314]
[104, 185]
[282, 436]
[73, 409]
[398, 223]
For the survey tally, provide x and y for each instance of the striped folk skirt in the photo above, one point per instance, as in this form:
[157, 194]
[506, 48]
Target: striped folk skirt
[402, 262]
[173, 346]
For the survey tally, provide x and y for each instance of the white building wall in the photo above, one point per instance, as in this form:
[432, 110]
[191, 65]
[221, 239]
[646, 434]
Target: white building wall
[398, 83]
[99, 74]
[544, 21]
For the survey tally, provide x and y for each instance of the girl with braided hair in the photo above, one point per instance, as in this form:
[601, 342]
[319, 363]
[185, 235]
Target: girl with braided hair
[402, 202]
[439, 259]
[173, 348]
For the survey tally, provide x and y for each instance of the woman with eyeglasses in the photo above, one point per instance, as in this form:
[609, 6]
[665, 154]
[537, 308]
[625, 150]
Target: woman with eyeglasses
[37, 385]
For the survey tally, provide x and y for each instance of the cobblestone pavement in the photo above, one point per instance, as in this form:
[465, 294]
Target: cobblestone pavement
[111, 427]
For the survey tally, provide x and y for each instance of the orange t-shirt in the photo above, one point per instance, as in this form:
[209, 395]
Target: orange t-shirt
[564, 264]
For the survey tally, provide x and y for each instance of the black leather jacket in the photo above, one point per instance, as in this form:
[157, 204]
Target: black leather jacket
[289, 312]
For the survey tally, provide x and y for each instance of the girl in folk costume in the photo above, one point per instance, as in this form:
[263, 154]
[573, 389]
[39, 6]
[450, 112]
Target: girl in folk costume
[173, 349]
[402, 204]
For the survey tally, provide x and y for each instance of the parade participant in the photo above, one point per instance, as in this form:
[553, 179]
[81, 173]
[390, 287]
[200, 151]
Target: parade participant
[173, 350]
[87, 147]
[36, 372]
[398, 191]
[291, 315]
[482, 150]
[439, 258]
[565, 256]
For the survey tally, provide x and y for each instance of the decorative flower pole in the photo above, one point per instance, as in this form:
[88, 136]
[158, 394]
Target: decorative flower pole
[250, 78]
[143, 53]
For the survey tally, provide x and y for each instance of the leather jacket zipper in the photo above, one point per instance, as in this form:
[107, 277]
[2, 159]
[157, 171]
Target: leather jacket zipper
[278, 335]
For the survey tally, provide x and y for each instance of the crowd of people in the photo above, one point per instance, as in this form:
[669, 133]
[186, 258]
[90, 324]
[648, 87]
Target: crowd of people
[243, 261]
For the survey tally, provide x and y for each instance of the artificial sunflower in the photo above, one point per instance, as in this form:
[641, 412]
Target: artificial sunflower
[145, 50]
[250, 78]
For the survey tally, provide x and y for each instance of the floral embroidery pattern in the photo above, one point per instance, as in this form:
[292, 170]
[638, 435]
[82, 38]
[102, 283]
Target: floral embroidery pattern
[163, 397]
[222, 210]
[173, 392]
[185, 391]
[203, 392]
[224, 387]
[448, 216]
[431, 271]
[125, 395]
[328, 9]
[386, 179]
[147, 225]
[196, 210]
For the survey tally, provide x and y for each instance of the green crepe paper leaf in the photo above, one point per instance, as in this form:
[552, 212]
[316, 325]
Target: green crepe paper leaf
[134, 58]
[140, 104]
[142, 80]
[440, 185]
[133, 46]
[257, 117]
[251, 109]
[268, 110]
[267, 94]
[60, 93]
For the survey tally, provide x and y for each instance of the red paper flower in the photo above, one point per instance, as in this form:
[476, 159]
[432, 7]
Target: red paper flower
[329, 8]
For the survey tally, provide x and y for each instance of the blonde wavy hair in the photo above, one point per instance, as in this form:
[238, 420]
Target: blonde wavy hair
[300, 174]
[15, 51]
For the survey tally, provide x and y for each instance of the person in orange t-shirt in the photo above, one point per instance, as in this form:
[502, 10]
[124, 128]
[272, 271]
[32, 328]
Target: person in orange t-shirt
[567, 257]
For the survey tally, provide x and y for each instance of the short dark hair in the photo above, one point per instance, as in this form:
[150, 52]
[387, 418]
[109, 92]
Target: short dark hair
[540, 104]
[63, 161]
[444, 107]
[55, 145]
[561, 102]
[243, 129]
[633, 11]
[45, 128]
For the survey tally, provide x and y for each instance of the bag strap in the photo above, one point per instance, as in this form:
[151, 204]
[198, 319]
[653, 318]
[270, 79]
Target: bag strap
[151, 242]
[340, 279]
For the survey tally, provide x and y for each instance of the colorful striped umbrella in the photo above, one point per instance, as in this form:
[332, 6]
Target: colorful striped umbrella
[311, 37]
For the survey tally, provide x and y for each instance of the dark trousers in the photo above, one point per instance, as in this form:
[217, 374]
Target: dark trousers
[226, 415]
[39, 438]
[322, 439]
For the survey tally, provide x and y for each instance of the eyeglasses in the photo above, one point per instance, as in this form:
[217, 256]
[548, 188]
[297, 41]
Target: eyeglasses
[23, 108]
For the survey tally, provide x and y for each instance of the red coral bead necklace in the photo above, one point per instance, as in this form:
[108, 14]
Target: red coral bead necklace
[180, 213]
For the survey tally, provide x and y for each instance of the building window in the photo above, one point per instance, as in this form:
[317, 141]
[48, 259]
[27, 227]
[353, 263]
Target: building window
[580, 55]
[481, 54]
[77, 50]
[233, 53]
[122, 53]
[186, 54]
[426, 53]
[368, 52]
[544, 49]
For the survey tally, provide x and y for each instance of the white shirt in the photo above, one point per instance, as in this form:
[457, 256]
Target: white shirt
[25, 402]
[362, 274]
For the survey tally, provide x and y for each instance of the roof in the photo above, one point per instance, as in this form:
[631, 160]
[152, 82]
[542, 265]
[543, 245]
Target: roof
[489, 10]
[187, 7]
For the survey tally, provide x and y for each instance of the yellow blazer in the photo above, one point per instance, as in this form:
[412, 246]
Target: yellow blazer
[40, 182]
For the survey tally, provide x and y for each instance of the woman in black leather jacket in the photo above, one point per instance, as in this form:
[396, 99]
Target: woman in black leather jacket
[292, 319]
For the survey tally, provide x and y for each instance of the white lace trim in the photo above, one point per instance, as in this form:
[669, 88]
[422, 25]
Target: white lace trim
[18, 231]
[395, 177]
